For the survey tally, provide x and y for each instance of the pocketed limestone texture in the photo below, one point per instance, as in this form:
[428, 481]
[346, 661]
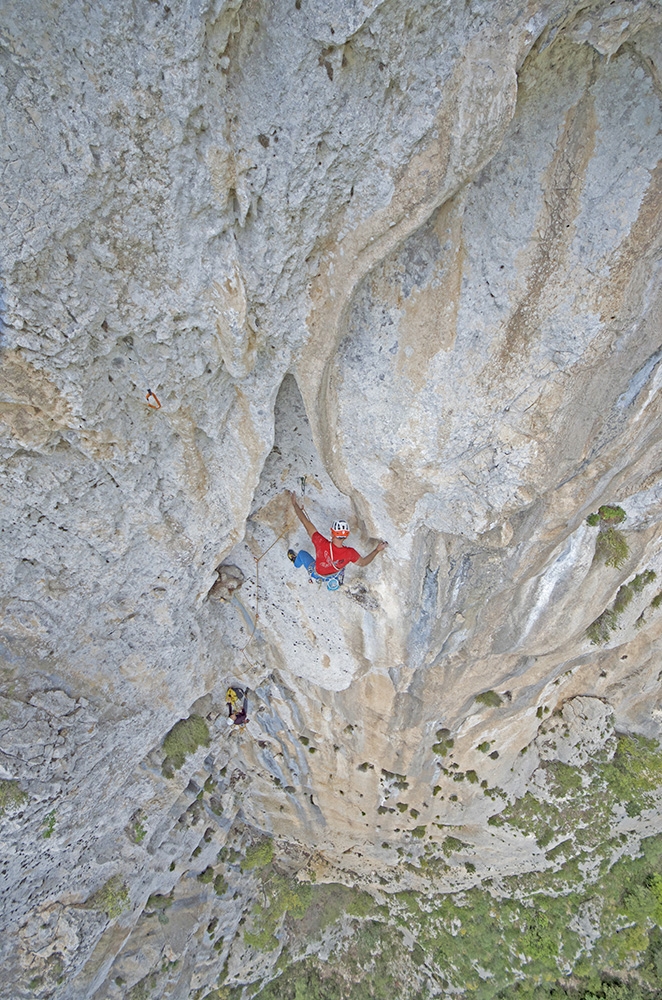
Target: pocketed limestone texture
[403, 259]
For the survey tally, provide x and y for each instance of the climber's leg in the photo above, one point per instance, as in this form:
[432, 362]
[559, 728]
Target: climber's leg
[306, 560]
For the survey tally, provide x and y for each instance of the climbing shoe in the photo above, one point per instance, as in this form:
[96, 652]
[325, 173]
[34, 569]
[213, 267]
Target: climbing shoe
[291, 555]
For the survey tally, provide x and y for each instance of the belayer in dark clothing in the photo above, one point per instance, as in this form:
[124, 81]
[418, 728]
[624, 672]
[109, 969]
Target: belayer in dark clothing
[331, 557]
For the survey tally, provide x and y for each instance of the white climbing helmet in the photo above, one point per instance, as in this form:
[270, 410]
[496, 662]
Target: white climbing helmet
[340, 529]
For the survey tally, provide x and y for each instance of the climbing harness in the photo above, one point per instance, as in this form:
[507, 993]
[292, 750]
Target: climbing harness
[333, 582]
[156, 405]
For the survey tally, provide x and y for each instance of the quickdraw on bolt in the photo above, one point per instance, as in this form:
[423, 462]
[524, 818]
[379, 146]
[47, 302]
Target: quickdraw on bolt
[156, 405]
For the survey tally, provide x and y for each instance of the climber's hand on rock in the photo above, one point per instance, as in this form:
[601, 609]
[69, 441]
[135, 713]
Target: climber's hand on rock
[381, 546]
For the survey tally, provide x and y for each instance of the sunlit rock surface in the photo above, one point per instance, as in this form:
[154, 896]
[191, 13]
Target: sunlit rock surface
[404, 260]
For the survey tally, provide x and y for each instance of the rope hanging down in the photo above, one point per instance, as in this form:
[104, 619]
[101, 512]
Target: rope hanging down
[258, 559]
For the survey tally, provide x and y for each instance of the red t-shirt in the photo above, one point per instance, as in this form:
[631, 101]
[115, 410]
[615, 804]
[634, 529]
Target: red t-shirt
[329, 558]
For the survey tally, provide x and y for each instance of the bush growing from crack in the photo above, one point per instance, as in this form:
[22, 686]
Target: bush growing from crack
[623, 598]
[184, 739]
[49, 825]
[612, 547]
[489, 698]
[642, 580]
[599, 631]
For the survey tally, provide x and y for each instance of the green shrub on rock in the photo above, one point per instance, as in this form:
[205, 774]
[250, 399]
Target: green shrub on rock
[608, 514]
[599, 631]
[11, 795]
[612, 547]
[611, 513]
[489, 698]
[258, 855]
[642, 580]
[184, 739]
[112, 898]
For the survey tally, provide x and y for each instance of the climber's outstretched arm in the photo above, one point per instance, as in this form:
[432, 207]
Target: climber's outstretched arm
[365, 560]
[300, 513]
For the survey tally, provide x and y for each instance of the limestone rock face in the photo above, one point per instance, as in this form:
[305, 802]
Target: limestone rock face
[405, 261]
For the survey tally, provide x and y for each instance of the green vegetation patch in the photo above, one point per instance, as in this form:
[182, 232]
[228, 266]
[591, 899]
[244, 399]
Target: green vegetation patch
[489, 698]
[563, 778]
[611, 547]
[444, 742]
[49, 825]
[587, 798]
[452, 845]
[11, 795]
[284, 896]
[642, 580]
[183, 740]
[634, 773]
[258, 855]
[608, 514]
[220, 885]
[611, 513]
[472, 944]
[629, 590]
[600, 630]
[112, 898]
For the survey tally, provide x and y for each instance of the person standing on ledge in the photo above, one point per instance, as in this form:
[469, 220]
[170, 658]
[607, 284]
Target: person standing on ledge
[331, 557]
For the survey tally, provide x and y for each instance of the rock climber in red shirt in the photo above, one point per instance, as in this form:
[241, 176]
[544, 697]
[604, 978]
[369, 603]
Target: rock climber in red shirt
[331, 557]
